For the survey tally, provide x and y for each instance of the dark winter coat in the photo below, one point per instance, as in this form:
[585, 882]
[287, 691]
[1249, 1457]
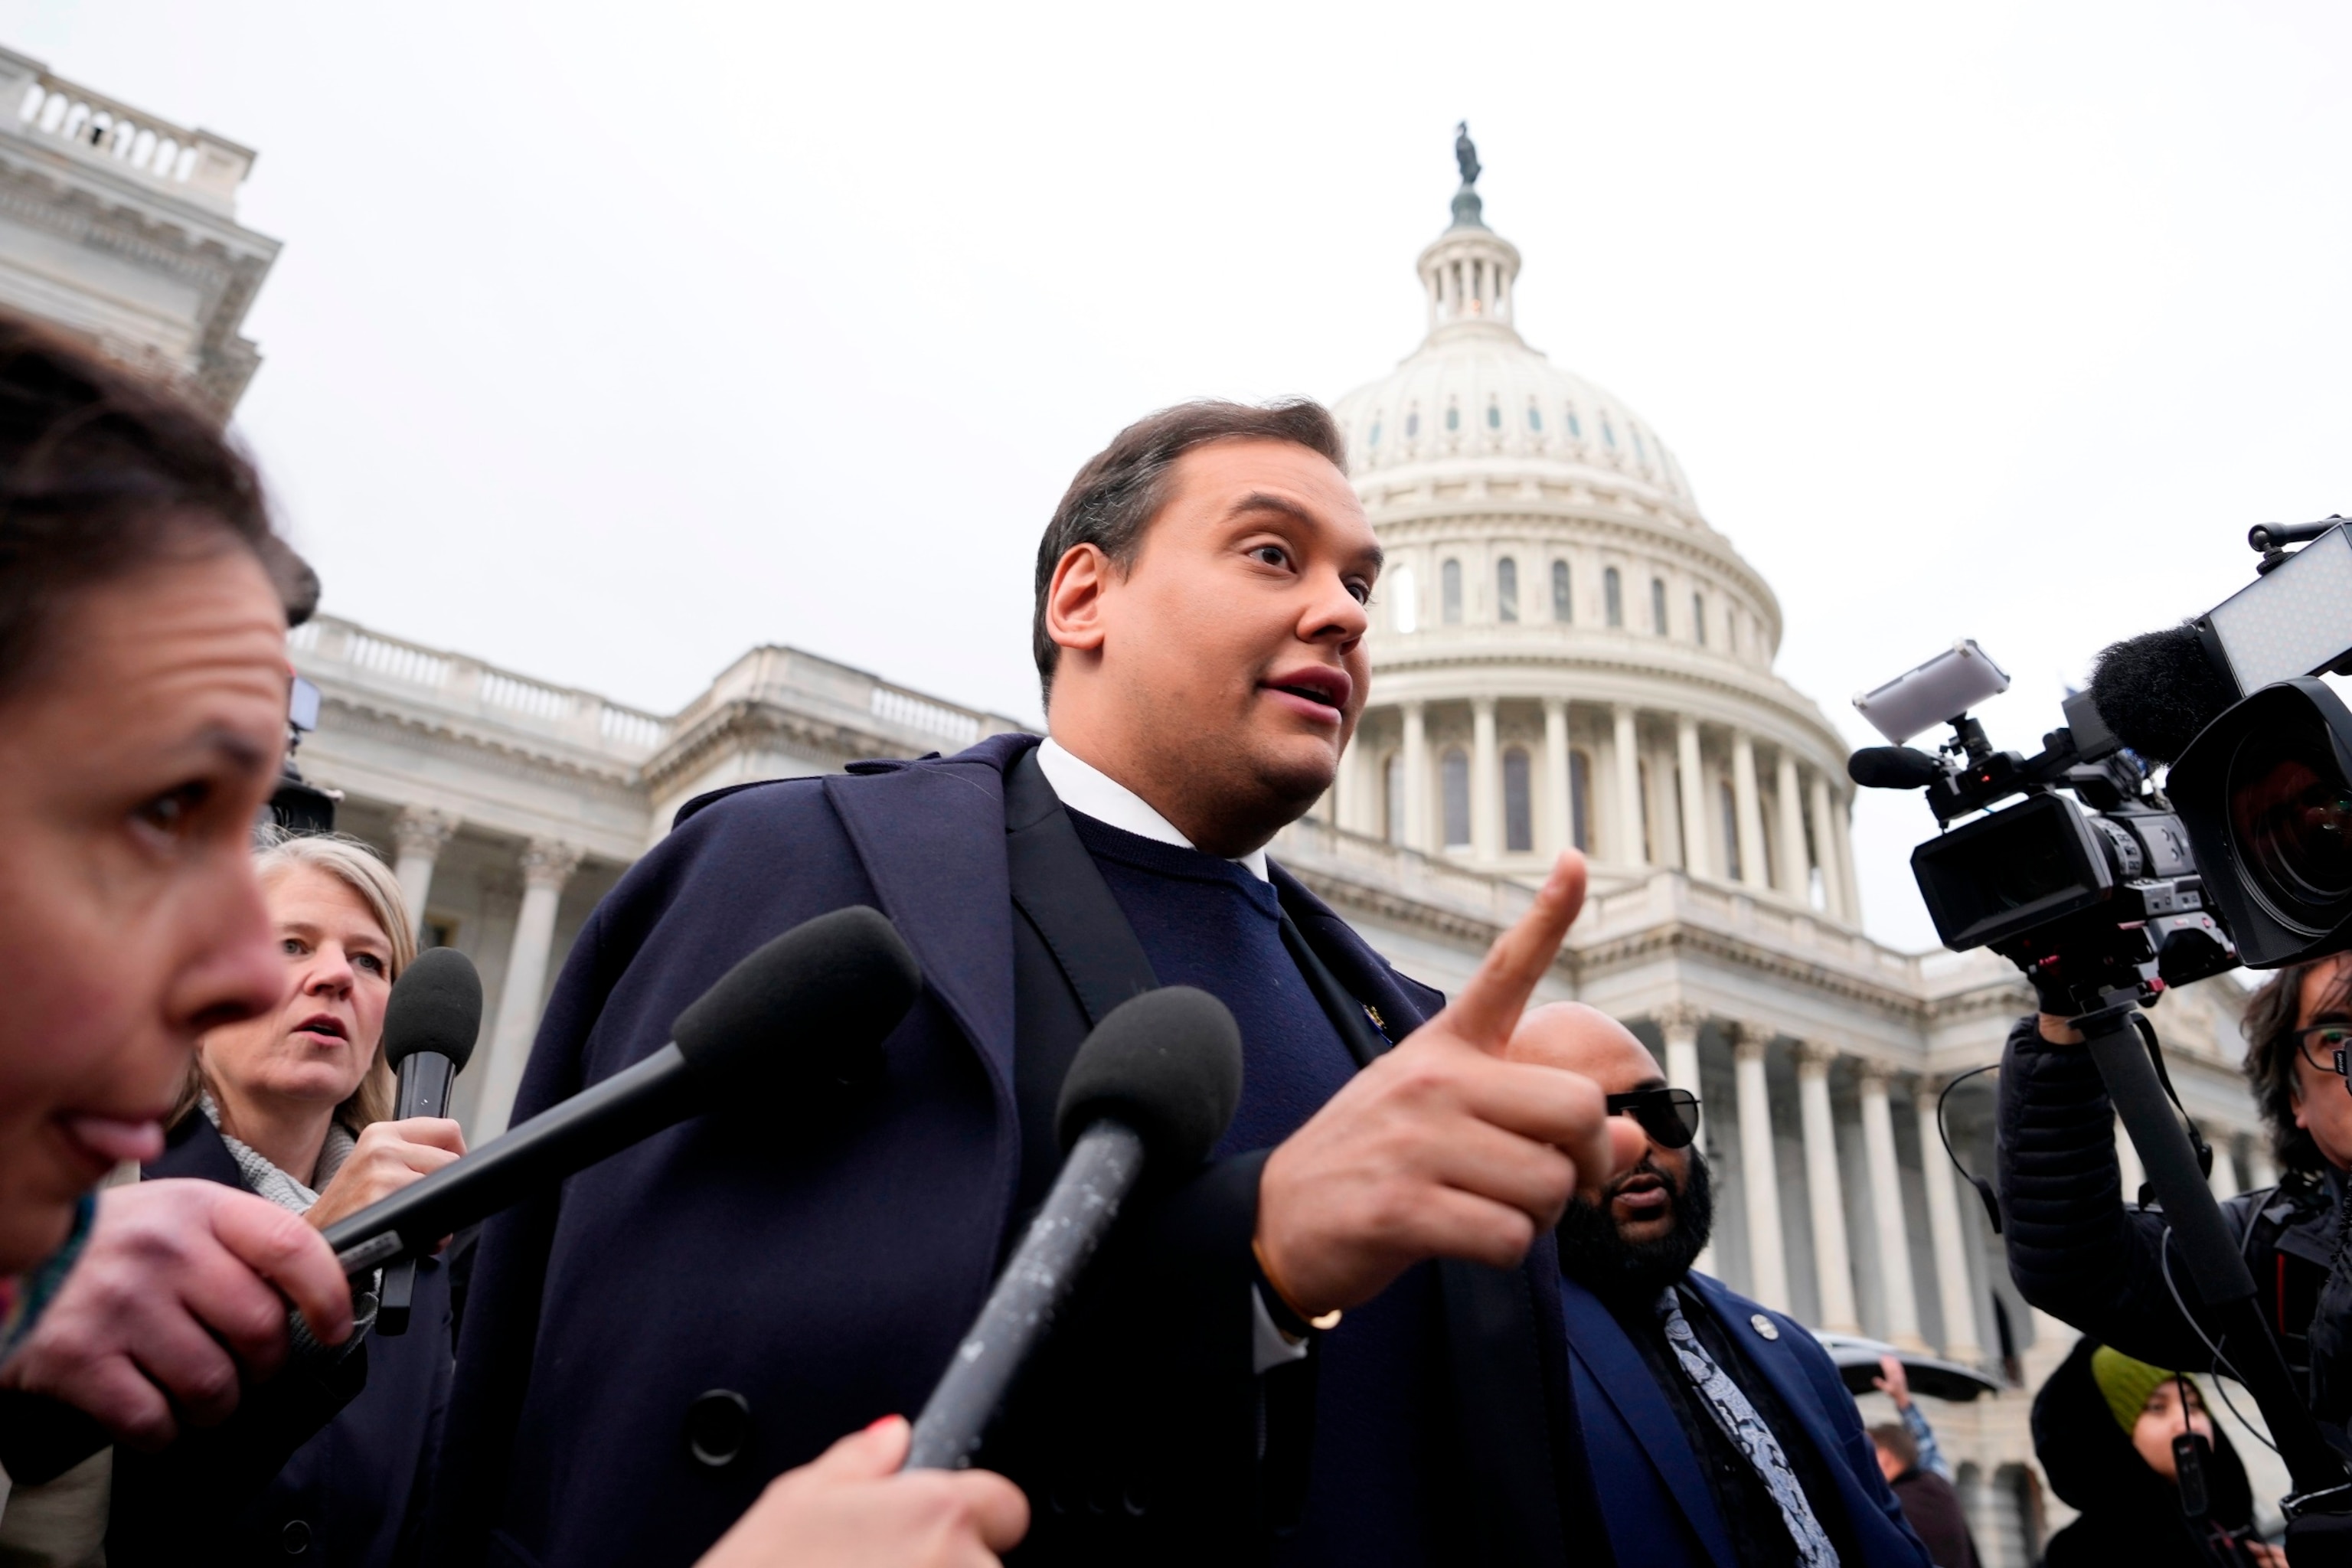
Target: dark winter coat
[2129, 1513]
[2081, 1253]
[819, 1264]
[348, 1497]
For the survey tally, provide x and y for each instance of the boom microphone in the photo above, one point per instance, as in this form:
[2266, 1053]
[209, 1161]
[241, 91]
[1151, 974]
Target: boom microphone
[2157, 690]
[1156, 1082]
[1893, 767]
[430, 1026]
[803, 1009]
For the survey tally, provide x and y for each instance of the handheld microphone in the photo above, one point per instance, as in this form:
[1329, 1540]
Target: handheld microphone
[1155, 1083]
[805, 1009]
[430, 1026]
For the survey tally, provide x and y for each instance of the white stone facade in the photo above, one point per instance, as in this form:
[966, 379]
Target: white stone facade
[122, 228]
[1633, 710]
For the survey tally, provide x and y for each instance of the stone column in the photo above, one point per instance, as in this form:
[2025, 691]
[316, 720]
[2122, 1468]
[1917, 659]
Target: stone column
[1679, 1023]
[1824, 1191]
[1825, 846]
[1792, 862]
[1697, 862]
[1486, 782]
[547, 864]
[1893, 1235]
[1953, 1289]
[1416, 778]
[1556, 825]
[1841, 850]
[2127, 1166]
[1748, 807]
[419, 834]
[1629, 785]
[1768, 1256]
[2224, 1177]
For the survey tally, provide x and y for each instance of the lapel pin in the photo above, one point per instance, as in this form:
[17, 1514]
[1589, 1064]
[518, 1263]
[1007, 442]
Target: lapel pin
[1766, 1326]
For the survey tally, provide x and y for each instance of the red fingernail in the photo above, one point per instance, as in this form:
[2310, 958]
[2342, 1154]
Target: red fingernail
[879, 1422]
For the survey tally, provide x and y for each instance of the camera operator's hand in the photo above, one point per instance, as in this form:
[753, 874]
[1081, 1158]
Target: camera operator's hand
[1443, 1147]
[852, 1507]
[176, 1293]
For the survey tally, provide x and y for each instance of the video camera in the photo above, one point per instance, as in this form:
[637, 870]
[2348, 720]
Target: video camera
[2107, 885]
[2244, 854]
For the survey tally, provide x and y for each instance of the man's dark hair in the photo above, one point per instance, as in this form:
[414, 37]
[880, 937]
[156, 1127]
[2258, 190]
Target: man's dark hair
[1593, 1252]
[1896, 1439]
[2271, 1013]
[102, 474]
[1123, 486]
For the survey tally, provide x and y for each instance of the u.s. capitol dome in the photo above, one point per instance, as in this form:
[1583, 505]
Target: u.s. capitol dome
[1565, 651]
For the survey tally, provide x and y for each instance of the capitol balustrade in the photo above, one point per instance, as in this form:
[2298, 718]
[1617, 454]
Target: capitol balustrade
[100, 131]
[341, 653]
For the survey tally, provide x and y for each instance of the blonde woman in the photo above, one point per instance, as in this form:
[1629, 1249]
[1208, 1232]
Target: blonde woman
[293, 1105]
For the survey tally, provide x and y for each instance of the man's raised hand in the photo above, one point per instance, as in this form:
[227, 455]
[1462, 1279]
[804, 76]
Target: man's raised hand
[1443, 1147]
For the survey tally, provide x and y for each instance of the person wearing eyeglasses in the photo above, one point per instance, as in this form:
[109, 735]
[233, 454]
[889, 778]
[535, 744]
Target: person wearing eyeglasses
[2083, 1250]
[1718, 1432]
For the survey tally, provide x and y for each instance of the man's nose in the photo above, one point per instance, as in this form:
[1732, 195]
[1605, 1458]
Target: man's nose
[1338, 614]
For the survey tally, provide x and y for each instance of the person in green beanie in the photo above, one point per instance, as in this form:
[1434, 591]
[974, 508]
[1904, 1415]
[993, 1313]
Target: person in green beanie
[2104, 1428]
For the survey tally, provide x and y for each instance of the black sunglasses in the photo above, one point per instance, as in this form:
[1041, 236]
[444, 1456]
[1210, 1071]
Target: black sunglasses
[1670, 1116]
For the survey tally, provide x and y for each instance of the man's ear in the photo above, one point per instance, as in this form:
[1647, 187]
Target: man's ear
[1073, 600]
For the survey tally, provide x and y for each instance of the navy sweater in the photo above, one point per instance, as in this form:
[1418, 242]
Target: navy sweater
[1207, 922]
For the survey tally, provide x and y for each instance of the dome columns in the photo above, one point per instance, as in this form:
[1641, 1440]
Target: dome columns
[1505, 782]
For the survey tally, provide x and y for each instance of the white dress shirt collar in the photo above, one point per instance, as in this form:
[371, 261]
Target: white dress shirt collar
[1087, 788]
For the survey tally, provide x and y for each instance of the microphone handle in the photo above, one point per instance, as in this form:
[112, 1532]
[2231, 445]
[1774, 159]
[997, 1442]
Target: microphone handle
[1100, 1170]
[601, 1120]
[424, 1090]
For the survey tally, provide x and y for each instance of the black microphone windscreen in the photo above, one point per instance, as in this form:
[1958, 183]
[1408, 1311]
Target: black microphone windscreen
[435, 1005]
[1167, 1064]
[1893, 767]
[841, 981]
[2158, 690]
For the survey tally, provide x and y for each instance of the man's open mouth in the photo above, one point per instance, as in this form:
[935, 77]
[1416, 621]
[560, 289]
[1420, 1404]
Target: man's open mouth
[1326, 688]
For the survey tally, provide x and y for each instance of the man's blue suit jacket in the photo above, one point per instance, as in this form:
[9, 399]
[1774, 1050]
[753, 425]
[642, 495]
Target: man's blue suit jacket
[1652, 1492]
[823, 1264]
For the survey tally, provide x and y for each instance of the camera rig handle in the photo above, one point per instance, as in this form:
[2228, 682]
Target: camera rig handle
[2322, 1483]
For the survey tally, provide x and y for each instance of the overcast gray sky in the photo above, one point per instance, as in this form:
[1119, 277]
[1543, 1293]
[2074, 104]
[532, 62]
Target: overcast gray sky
[608, 341]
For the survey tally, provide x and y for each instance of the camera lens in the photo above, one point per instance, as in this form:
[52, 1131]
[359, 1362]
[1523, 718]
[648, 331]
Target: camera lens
[2291, 816]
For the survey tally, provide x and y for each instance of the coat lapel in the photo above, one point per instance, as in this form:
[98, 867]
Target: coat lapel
[1601, 1347]
[930, 836]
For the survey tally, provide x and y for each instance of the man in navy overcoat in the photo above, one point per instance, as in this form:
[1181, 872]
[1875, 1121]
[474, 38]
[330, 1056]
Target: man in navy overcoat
[1337, 1340]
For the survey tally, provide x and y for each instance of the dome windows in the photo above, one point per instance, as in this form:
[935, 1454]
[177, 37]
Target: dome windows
[1412, 424]
[1449, 593]
[1453, 417]
[1575, 426]
[1506, 589]
[1535, 419]
[1612, 594]
[1608, 433]
[1372, 438]
[1658, 606]
[1494, 416]
[1563, 607]
[1698, 618]
[1640, 450]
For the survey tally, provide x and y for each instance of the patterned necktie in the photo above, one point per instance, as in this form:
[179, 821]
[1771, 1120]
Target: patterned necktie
[1749, 1435]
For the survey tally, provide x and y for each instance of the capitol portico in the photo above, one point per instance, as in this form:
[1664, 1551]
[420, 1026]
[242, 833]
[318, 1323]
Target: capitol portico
[1564, 652]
